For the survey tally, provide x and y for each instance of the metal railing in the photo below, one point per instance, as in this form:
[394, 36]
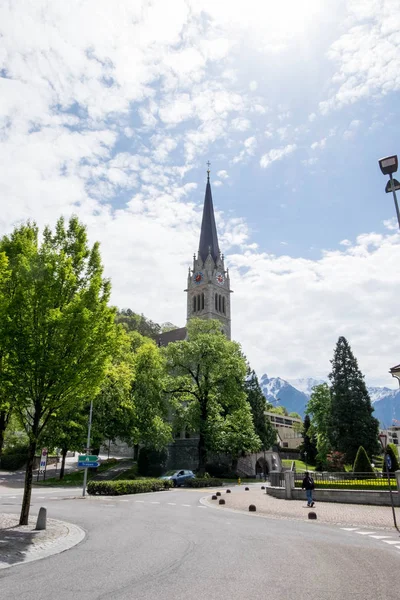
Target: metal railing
[355, 481]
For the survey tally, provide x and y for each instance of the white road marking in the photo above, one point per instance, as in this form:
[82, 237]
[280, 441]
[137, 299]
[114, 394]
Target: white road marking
[365, 532]
[349, 528]
[202, 507]
[154, 503]
[172, 503]
[185, 505]
[390, 541]
[380, 537]
[124, 500]
[142, 501]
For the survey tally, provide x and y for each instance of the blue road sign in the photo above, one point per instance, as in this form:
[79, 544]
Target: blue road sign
[89, 465]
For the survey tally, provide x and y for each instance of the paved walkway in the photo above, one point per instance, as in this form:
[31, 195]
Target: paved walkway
[356, 515]
[20, 544]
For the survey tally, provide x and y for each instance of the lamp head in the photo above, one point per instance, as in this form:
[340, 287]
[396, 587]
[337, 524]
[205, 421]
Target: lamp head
[388, 165]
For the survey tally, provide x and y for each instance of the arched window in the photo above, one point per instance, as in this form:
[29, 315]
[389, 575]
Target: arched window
[194, 303]
[216, 301]
[202, 302]
[223, 304]
[198, 302]
[219, 303]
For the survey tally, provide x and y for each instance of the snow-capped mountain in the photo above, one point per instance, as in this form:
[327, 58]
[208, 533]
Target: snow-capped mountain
[294, 394]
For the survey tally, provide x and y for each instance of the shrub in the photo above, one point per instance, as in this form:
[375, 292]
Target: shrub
[362, 464]
[152, 462]
[14, 457]
[198, 482]
[119, 488]
[391, 450]
[335, 462]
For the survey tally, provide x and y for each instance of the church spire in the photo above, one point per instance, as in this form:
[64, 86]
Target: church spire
[208, 235]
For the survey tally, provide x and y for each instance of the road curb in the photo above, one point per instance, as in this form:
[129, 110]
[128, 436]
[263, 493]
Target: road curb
[74, 537]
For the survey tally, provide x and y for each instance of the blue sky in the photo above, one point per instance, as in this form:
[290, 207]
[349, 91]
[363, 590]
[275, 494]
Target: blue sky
[111, 111]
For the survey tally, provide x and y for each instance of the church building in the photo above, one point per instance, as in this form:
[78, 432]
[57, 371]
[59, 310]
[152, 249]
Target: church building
[208, 286]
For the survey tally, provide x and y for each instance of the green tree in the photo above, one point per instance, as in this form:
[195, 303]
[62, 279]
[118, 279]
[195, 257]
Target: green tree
[262, 425]
[5, 392]
[362, 464]
[151, 404]
[319, 409]
[308, 449]
[279, 410]
[206, 380]
[134, 322]
[352, 423]
[58, 333]
[66, 433]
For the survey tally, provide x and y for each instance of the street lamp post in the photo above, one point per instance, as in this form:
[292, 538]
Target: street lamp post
[305, 456]
[388, 166]
[383, 441]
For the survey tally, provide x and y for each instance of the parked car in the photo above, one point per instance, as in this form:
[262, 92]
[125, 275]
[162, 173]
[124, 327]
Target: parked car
[178, 477]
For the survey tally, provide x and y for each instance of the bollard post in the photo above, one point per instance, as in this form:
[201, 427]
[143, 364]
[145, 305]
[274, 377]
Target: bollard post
[289, 484]
[41, 522]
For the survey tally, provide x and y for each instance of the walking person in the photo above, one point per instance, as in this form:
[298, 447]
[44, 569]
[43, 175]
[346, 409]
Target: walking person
[308, 485]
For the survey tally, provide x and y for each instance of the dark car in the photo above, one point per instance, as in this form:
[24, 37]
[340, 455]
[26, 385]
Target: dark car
[178, 477]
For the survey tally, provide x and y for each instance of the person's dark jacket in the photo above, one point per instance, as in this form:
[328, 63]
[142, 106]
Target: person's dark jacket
[308, 483]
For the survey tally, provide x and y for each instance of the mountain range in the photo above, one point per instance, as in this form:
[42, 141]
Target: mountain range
[294, 394]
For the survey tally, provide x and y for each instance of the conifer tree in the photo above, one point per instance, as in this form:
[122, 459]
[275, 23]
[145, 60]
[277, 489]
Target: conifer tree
[262, 425]
[362, 464]
[308, 449]
[351, 421]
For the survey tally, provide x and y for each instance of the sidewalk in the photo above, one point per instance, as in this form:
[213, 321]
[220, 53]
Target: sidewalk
[21, 544]
[357, 515]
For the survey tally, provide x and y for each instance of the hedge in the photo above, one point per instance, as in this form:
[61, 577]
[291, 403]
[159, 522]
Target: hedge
[119, 488]
[198, 482]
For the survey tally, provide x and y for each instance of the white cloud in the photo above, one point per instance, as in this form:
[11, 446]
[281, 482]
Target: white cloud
[222, 174]
[253, 85]
[276, 154]
[320, 144]
[241, 124]
[366, 55]
[309, 162]
[353, 292]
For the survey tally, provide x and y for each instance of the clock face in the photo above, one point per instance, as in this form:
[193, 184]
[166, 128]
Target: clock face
[198, 277]
[220, 278]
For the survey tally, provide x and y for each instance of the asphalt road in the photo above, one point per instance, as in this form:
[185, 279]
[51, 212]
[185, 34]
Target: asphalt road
[168, 545]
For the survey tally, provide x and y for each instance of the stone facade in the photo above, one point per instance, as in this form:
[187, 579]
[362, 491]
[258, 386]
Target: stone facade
[208, 291]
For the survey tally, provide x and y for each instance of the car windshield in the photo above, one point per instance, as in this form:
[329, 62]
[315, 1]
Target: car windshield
[170, 473]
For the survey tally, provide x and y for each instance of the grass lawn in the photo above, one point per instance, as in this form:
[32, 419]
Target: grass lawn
[300, 465]
[76, 478]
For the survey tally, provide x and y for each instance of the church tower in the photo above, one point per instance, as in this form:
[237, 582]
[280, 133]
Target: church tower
[208, 288]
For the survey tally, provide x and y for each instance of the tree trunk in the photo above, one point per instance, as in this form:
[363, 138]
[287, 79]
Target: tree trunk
[26, 501]
[135, 451]
[4, 418]
[64, 456]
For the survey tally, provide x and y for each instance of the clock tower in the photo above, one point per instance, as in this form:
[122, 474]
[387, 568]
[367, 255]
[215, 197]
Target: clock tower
[208, 288]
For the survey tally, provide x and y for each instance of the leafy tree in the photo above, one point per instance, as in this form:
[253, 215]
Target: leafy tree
[149, 425]
[362, 464]
[262, 425]
[206, 381]
[66, 433]
[352, 424]
[134, 322]
[5, 392]
[318, 409]
[58, 333]
[308, 449]
[279, 410]
[391, 451]
[294, 415]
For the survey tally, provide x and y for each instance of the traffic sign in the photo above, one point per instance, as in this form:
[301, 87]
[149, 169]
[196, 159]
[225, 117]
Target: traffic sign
[87, 458]
[88, 465]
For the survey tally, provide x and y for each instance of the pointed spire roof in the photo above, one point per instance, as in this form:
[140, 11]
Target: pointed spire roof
[208, 234]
